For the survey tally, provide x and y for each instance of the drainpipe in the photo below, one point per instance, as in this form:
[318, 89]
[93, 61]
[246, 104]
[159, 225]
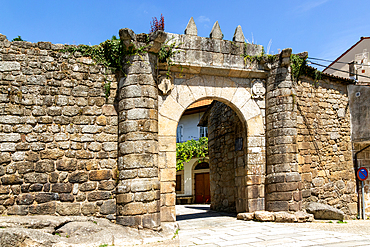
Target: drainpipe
[358, 187]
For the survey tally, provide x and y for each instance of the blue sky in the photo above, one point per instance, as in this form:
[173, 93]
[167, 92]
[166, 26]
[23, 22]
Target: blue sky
[324, 28]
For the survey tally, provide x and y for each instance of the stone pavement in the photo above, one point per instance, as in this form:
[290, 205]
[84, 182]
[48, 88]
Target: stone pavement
[202, 227]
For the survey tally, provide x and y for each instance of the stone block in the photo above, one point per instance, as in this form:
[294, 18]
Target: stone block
[82, 154]
[285, 217]
[100, 175]
[46, 197]
[51, 154]
[89, 208]
[279, 196]
[25, 199]
[264, 216]
[168, 174]
[4, 157]
[276, 206]
[61, 188]
[138, 185]
[66, 197]
[168, 214]
[11, 179]
[133, 161]
[48, 208]
[245, 216]
[125, 198]
[108, 207]
[99, 195]
[78, 177]
[36, 187]
[67, 208]
[18, 210]
[53, 177]
[129, 220]
[133, 208]
[151, 220]
[25, 167]
[107, 185]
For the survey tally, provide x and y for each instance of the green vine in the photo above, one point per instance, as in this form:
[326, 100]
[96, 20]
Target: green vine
[191, 149]
[166, 53]
[298, 65]
[107, 89]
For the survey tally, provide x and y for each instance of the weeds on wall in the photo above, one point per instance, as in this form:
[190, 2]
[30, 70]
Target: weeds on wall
[258, 58]
[167, 52]
[156, 25]
[191, 149]
[19, 38]
[299, 67]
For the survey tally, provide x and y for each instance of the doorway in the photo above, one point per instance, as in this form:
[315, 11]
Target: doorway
[202, 188]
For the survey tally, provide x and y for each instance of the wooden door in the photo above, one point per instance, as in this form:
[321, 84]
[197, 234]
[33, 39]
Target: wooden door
[202, 188]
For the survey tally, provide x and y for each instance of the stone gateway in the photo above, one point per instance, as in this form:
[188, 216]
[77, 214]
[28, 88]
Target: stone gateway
[70, 145]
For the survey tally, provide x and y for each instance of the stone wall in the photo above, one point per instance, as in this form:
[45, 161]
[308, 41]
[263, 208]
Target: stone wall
[324, 144]
[58, 132]
[222, 125]
[282, 177]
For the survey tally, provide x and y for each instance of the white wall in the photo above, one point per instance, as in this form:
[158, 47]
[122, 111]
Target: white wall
[190, 128]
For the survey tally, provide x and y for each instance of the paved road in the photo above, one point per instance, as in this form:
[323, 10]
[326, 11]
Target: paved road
[202, 227]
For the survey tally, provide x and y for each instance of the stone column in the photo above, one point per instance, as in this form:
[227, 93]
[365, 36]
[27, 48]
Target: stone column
[283, 190]
[138, 189]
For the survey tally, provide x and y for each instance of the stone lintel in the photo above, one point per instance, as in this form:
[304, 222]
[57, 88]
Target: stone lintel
[216, 71]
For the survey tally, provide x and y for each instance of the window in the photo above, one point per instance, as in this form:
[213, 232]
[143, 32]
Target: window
[178, 182]
[179, 133]
[203, 132]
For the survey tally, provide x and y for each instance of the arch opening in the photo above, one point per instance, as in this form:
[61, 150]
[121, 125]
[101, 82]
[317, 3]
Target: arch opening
[248, 177]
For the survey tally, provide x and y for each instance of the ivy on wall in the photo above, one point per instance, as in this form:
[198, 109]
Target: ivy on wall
[191, 149]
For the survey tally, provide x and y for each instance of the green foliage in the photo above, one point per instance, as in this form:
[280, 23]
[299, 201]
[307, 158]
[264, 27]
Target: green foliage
[341, 222]
[19, 38]
[109, 53]
[175, 234]
[258, 58]
[191, 149]
[107, 89]
[166, 53]
[297, 65]
[103, 245]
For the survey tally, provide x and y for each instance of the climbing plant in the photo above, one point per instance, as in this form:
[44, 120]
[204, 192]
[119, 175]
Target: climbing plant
[258, 58]
[166, 53]
[298, 65]
[191, 149]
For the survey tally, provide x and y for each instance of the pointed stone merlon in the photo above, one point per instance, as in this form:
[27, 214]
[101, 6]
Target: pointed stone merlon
[238, 35]
[216, 31]
[191, 28]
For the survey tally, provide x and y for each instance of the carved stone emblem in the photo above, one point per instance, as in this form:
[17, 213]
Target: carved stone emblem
[165, 85]
[258, 89]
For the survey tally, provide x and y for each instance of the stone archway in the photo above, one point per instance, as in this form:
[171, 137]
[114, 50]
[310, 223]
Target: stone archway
[232, 92]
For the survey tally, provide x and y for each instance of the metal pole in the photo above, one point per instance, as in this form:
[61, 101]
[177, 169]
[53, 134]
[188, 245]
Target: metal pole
[363, 200]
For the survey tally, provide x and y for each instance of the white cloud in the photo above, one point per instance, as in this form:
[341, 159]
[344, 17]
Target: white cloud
[310, 5]
[203, 19]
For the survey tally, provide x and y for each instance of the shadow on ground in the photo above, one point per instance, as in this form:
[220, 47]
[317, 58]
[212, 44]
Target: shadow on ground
[201, 211]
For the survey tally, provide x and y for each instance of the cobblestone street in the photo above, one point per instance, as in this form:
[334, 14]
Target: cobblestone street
[202, 227]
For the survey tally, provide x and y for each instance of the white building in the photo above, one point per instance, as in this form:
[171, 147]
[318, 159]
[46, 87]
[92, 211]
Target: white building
[192, 183]
[359, 55]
